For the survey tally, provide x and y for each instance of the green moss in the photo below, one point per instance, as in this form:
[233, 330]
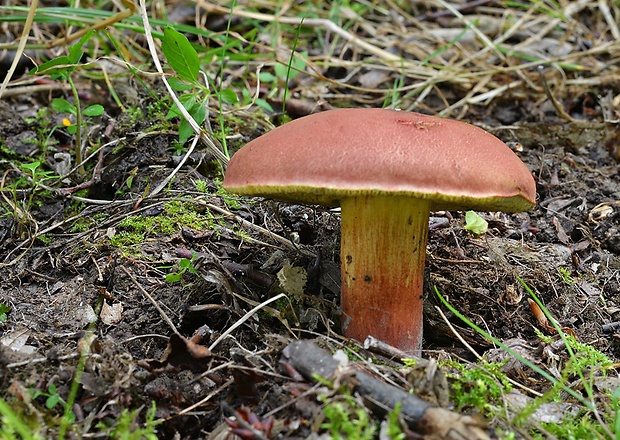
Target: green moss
[565, 276]
[480, 386]
[348, 419]
[177, 214]
[571, 428]
[138, 224]
[240, 232]
[202, 186]
[230, 200]
[45, 238]
[123, 240]
[81, 225]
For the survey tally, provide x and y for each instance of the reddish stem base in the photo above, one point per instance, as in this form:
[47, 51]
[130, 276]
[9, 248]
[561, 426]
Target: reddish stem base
[382, 252]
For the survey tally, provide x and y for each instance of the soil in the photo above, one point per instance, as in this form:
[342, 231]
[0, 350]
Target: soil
[63, 276]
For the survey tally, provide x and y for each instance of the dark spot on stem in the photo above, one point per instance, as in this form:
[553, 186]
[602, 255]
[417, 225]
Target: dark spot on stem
[367, 278]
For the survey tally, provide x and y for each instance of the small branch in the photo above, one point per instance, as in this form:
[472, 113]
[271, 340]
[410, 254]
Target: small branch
[556, 104]
[381, 398]
[152, 300]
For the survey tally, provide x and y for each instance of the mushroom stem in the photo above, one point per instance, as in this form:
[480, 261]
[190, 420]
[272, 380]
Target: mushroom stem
[383, 249]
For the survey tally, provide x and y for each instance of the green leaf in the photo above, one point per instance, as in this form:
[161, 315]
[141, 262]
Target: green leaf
[94, 110]
[75, 51]
[64, 65]
[32, 167]
[475, 223]
[178, 85]
[181, 56]
[173, 277]
[263, 104]
[229, 96]
[4, 310]
[63, 106]
[185, 131]
[298, 63]
[187, 101]
[52, 401]
[199, 113]
[267, 77]
[72, 129]
[60, 65]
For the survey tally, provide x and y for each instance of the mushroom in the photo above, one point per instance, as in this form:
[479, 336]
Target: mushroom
[387, 170]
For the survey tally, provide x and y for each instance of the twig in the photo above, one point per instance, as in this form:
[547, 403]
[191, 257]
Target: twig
[244, 318]
[167, 180]
[611, 22]
[461, 8]
[150, 298]
[556, 105]
[382, 348]
[459, 337]
[282, 240]
[96, 176]
[110, 21]
[381, 398]
[201, 402]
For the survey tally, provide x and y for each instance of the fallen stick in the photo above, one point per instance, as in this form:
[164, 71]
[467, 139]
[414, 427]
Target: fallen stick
[381, 398]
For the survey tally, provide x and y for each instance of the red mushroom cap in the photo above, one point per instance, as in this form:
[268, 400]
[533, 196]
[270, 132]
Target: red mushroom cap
[324, 157]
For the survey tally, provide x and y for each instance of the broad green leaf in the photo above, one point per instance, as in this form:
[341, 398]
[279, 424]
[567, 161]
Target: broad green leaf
[63, 106]
[52, 401]
[475, 223]
[199, 113]
[281, 70]
[263, 104]
[180, 55]
[72, 129]
[187, 101]
[185, 131]
[94, 110]
[267, 77]
[178, 85]
[173, 277]
[229, 96]
[32, 167]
